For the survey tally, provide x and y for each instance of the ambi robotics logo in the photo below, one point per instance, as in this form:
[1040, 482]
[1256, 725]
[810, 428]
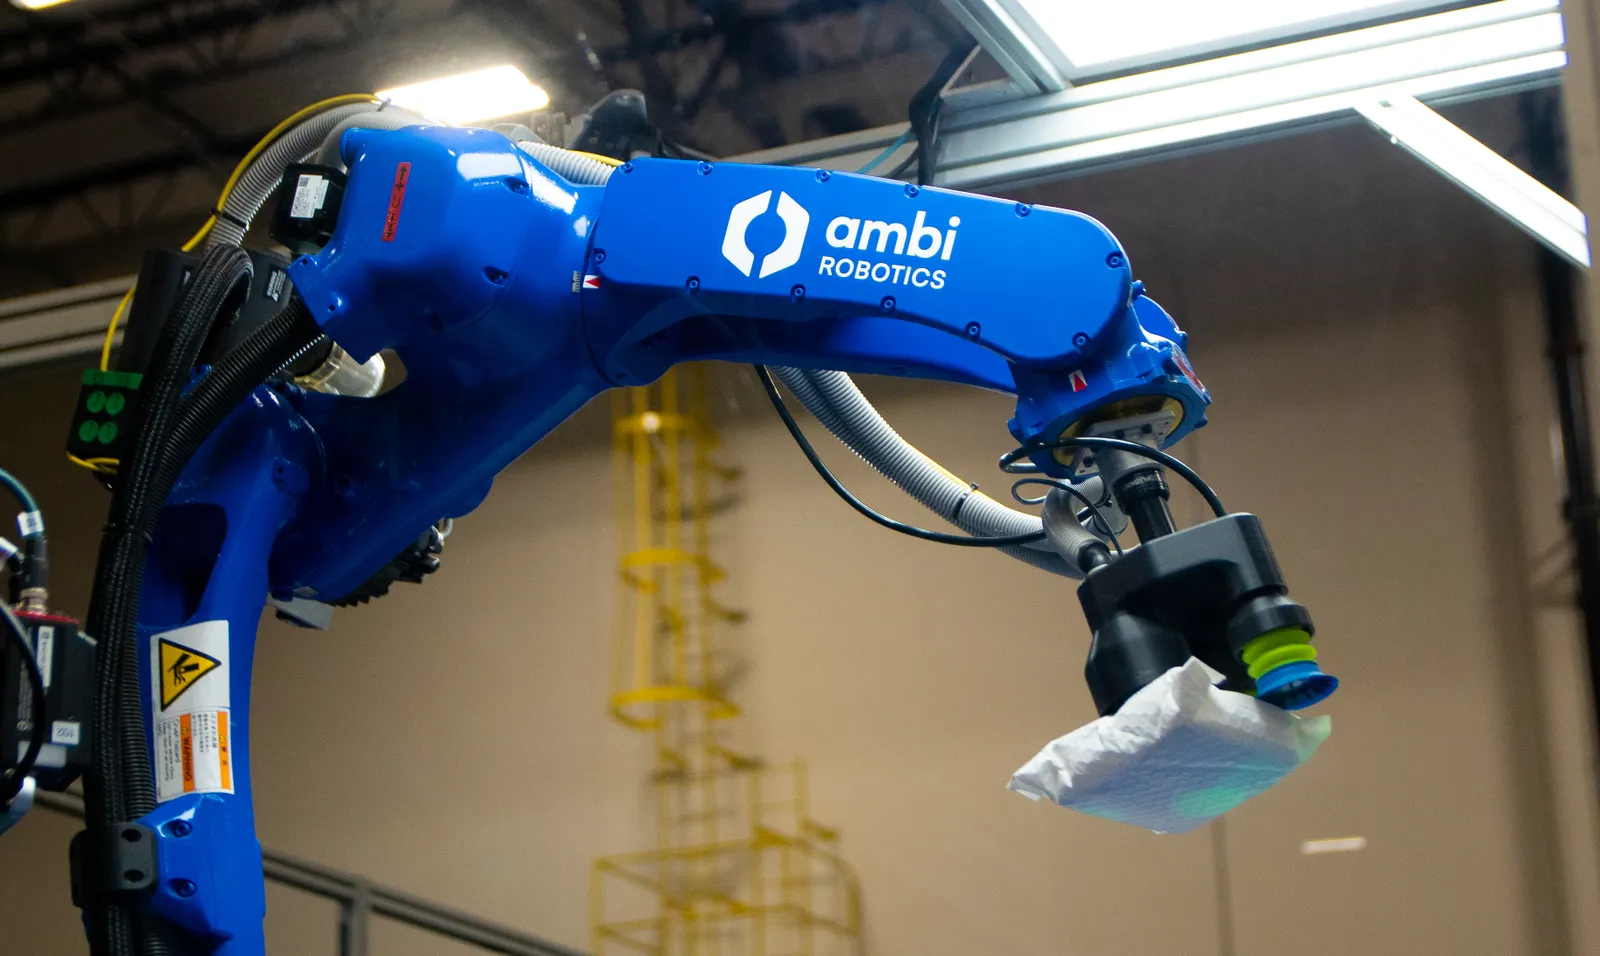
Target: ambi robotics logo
[795, 223]
[915, 240]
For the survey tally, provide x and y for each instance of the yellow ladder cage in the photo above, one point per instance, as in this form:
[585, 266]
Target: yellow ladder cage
[739, 867]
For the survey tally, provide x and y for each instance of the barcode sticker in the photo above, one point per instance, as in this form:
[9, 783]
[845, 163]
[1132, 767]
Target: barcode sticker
[309, 194]
[30, 522]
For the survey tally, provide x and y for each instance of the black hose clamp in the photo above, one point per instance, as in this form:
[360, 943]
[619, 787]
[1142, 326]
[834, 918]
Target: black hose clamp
[114, 864]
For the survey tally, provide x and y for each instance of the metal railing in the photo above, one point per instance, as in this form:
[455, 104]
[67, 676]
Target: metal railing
[360, 899]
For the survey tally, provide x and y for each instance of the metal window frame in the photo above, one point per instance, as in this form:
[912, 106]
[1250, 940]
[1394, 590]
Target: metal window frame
[1030, 54]
[1468, 53]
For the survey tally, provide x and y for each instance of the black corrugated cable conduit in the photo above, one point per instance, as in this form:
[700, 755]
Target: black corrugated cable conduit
[120, 787]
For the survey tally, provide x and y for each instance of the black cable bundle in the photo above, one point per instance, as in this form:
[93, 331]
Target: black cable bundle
[926, 109]
[121, 787]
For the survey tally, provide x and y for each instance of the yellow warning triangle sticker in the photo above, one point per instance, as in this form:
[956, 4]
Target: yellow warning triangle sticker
[181, 667]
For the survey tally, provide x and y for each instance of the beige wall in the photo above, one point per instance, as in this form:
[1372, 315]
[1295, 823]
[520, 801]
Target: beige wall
[1373, 342]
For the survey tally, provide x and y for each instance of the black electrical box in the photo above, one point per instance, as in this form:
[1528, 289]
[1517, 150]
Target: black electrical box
[65, 659]
[109, 412]
[162, 279]
[309, 197]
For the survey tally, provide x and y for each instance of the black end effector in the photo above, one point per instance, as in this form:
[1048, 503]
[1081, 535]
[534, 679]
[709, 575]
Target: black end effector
[1213, 591]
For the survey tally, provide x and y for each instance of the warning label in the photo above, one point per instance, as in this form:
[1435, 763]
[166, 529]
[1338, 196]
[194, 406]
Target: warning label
[181, 668]
[189, 669]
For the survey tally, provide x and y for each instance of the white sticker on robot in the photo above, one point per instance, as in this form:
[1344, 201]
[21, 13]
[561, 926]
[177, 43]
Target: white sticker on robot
[44, 653]
[67, 733]
[309, 193]
[30, 522]
[191, 705]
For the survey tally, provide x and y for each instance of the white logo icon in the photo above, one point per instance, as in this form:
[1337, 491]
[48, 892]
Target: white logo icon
[795, 222]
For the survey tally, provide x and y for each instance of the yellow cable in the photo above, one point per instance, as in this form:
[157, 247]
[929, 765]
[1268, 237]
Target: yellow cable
[105, 466]
[596, 157]
[111, 330]
[222, 200]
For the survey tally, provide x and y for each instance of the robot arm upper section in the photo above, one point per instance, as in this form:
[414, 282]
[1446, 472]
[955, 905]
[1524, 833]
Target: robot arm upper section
[819, 269]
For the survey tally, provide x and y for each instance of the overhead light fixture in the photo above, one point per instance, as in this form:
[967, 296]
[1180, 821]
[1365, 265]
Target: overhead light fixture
[1503, 187]
[36, 4]
[1052, 43]
[469, 97]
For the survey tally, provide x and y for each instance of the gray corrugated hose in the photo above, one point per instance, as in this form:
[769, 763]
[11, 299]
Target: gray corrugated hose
[374, 117]
[836, 402]
[575, 169]
[262, 176]
[1062, 530]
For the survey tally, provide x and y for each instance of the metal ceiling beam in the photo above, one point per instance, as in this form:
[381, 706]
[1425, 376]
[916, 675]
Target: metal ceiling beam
[59, 190]
[305, 28]
[53, 325]
[24, 209]
[44, 51]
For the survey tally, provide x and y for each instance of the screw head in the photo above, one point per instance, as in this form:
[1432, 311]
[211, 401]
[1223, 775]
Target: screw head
[180, 828]
[1080, 340]
[798, 292]
[704, 168]
[1022, 209]
[823, 175]
[599, 256]
[693, 285]
[912, 190]
[888, 303]
[184, 888]
[626, 167]
[974, 330]
[1115, 260]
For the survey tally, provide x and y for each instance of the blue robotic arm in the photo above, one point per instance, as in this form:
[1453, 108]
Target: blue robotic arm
[513, 295]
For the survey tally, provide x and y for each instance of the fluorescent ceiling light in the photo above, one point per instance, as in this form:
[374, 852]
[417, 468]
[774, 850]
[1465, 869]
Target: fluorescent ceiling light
[1078, 38]
[1503, 187]
[36, 4]
[469, 97]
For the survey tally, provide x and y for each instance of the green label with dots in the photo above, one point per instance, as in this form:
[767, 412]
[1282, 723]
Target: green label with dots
[106, 416]
[128, 380]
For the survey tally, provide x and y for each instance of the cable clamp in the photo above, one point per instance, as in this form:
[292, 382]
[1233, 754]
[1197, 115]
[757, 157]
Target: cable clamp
[228, 217]
[117, 863]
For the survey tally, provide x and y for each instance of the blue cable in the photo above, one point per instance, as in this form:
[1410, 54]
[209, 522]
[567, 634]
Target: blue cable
[890, 151]
[19, 489]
